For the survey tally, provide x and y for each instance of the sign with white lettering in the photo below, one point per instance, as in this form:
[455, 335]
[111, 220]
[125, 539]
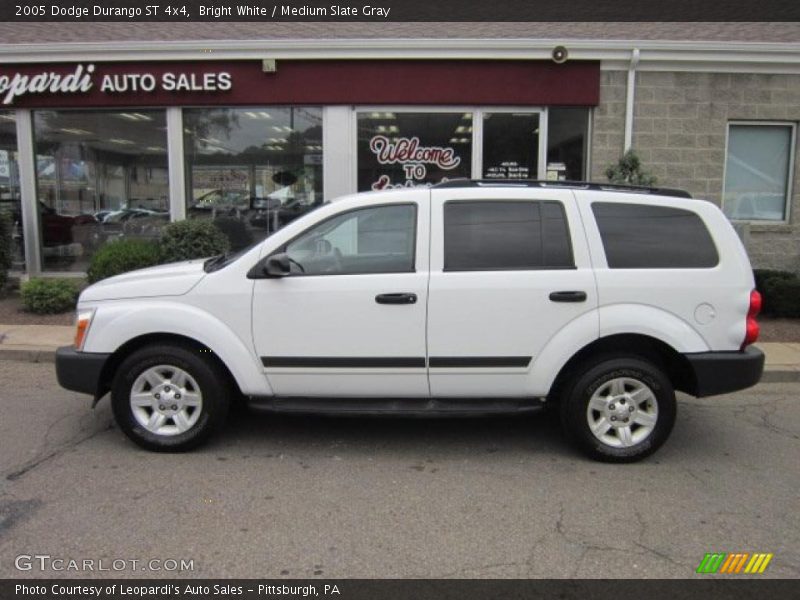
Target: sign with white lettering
[311, 82]
[410, 149]
[83, 79]
[412, 157]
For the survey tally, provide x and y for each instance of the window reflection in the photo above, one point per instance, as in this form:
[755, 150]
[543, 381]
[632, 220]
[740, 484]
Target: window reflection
[100, 176]
[567, 143]
[757, 167]
[252, 170]
[9, 187]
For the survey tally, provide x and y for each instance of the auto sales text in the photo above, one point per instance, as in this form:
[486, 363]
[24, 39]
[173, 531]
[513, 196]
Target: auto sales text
[82, 80]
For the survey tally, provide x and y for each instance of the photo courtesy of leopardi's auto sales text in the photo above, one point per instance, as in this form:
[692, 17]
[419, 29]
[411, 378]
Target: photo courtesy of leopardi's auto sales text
[410, 299]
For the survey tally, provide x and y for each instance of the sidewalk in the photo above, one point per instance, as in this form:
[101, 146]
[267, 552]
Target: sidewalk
[38, 343]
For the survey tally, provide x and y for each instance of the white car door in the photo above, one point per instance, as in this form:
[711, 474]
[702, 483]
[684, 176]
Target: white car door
[509, 270]
[349, 320]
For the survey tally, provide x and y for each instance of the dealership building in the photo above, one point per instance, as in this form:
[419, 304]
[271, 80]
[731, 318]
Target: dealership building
[112, 130]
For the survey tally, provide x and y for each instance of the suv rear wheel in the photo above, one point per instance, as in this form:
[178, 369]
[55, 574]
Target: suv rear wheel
[619, 409]
[169, 398]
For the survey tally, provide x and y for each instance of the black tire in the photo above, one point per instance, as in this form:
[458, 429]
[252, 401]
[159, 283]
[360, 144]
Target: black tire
[213, 387]
[586, 381]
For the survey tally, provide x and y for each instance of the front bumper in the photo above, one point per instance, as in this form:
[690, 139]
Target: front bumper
[723, 372]
[80, 371]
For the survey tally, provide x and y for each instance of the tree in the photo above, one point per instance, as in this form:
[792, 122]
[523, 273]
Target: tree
[629, 171]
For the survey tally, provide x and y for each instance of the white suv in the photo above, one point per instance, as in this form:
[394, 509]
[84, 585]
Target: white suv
[469, 297]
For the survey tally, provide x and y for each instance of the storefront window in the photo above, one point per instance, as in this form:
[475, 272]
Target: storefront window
[409, 149]
[100, 176]
[567, 139]
[510, 145]
[9, 187]
[252, 170]
[757, 171]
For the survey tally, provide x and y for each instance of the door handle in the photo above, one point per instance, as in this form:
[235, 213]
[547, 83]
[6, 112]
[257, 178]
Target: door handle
[401, 298]
[568, 296]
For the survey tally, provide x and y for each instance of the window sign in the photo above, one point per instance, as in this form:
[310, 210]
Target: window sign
[399, 149]
[510, 145]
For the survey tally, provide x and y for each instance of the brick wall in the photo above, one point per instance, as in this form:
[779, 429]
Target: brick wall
[679, 133]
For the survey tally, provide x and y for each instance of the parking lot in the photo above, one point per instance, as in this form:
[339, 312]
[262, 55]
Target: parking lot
[280, 496]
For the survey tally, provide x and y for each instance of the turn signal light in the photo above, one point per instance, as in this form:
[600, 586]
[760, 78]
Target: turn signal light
[751, 329]
[82, 323]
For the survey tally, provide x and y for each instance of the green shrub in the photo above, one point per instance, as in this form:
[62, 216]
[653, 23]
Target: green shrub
[49, 296]
[6, 248]
[780, 293]
[239, 236]
[122, 256]
[628, 171]
[196, 238]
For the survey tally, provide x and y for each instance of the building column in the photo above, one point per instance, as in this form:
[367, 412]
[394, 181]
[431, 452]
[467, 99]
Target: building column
[27, 188]
[176, 164]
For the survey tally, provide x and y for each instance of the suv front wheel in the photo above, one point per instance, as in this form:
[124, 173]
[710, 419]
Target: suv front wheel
[169, 398]
[619, 409]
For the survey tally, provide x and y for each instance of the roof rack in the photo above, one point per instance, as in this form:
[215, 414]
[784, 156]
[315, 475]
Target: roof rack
[583, 185]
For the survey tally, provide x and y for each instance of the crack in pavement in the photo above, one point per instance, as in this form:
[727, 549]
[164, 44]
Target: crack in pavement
[32, 464]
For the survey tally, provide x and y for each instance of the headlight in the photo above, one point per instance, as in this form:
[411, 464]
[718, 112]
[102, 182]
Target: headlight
[82, 322]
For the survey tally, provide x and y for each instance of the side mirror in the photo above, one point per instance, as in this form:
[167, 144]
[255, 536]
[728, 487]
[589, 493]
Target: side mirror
[277, 265]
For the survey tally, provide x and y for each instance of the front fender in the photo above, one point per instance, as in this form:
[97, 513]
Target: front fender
[116, 323]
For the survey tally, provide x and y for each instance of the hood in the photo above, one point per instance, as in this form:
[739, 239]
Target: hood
[174, 279]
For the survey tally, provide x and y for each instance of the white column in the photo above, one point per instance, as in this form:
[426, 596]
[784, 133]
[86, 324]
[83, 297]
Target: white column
[544, 120]
[27, 188]
[476, 171]
[339, 149]
[176, 164]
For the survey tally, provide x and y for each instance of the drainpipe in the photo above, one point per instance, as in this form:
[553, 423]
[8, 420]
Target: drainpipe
[629, 99]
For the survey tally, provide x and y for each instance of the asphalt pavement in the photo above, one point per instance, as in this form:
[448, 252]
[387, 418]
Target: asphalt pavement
[298, 496]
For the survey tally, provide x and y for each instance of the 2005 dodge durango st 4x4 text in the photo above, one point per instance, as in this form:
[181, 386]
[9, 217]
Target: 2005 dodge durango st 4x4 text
[466, 298]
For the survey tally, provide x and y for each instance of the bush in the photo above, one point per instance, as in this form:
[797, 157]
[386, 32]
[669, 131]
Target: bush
[239, 236]
[628, 171]
[49, 296]
[6, 248]
[122, 256]
[196, 238]
[780, 293]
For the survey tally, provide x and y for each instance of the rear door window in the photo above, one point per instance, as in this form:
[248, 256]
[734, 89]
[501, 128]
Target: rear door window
[500, 235]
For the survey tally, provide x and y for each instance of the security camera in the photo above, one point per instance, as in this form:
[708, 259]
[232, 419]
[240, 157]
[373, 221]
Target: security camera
[559, 55]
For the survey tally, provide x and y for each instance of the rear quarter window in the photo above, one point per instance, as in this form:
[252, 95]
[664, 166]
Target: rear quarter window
[642, 236]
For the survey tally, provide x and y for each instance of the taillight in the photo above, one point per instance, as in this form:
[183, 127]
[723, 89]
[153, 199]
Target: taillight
[751, 328]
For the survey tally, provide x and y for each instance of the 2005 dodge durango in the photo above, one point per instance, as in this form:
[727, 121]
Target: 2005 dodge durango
[470, 297]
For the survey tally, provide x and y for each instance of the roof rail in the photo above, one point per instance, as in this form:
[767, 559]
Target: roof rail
[583, 185]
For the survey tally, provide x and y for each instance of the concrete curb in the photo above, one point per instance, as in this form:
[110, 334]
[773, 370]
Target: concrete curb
[34, 355]
[772, 374]
[780, 375]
